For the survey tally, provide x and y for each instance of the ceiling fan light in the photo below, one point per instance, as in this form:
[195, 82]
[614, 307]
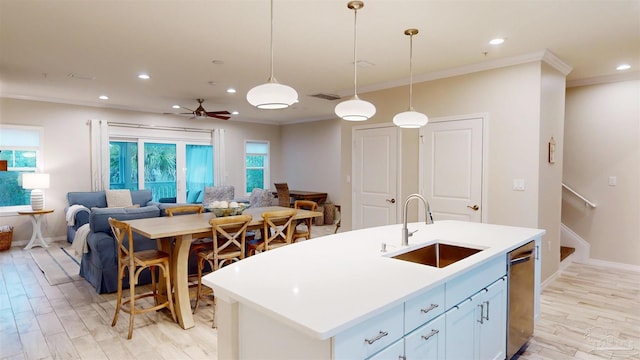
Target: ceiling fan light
[272, 95]
[355, 110]
[410, 119]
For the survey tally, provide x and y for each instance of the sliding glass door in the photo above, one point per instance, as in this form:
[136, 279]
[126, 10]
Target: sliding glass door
[174, 171]
[159, 170]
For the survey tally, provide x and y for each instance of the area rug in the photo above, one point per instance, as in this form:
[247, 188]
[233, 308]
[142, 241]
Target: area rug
[57, 264]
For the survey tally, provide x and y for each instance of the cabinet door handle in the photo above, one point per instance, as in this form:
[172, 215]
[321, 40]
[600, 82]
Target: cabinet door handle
[481, 306]
[431, 307]
[378, 337]
[487, 317]
[430, 335]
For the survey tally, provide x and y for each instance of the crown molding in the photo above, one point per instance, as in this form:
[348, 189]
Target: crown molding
[544, 55]
[604, 79]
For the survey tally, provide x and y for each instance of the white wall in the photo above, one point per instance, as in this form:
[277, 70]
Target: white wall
[511, 97]
[602, 139]
[311, 157]
[67, 150]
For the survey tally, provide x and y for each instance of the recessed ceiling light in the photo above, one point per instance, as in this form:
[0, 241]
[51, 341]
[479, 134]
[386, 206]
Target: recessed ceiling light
[103, 97]
[235, 113]
[231, 90]
[176, 106]
[496, 41]
[623, 67]
[144, 76]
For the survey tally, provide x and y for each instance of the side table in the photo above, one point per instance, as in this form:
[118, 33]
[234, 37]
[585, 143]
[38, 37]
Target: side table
[36, 219]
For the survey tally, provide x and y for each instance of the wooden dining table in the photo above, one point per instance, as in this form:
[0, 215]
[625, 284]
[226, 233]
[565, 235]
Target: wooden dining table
[184, 229]
[317, 196]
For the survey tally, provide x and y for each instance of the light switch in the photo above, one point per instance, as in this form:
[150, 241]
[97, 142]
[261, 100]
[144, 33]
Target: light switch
[348, 179]
[518, 184]
[613, 181]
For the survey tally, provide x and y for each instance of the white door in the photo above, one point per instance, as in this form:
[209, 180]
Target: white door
[374, 176]
[451, 168]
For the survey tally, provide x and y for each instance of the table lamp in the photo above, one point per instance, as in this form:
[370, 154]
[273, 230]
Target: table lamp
[36, 182]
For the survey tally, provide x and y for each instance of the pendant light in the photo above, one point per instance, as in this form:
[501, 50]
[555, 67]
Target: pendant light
[410, 118]
[272, 94]
[355, 109]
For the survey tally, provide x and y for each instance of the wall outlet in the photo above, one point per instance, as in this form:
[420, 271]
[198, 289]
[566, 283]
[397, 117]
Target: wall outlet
[613, 181]
[518, 184]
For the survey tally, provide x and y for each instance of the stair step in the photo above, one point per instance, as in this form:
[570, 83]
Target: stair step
[565, 251]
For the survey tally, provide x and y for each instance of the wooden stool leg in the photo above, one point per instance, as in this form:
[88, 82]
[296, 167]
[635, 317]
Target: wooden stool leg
[132, 302]
[199, 288]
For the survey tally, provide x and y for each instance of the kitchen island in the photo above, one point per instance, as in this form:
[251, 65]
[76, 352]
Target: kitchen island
[321, 298]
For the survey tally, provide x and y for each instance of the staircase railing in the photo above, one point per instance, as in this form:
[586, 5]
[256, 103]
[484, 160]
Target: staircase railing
[586, 202]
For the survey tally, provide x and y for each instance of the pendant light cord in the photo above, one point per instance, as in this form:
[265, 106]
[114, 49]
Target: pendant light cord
[271, 78]
[411, 72]
[355, 47]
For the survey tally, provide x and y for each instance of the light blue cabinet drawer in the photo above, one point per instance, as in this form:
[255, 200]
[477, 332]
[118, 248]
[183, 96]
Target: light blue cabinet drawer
[370, 336]
[422, 308]
[469, 282]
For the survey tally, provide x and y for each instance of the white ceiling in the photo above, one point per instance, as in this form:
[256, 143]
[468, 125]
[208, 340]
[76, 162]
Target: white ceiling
[72, 51]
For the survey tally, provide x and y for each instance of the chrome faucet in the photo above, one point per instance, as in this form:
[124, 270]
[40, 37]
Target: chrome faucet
[427, 217]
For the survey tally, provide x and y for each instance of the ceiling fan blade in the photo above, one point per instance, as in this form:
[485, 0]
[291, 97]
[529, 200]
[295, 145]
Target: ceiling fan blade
[223, 112]
[221, 117]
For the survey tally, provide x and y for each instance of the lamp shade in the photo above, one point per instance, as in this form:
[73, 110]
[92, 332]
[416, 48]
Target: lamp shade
[272, 95]
[410, 119]
[35, 181]
[355, 110]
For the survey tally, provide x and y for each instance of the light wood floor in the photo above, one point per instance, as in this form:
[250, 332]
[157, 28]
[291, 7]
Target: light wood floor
[71, 321]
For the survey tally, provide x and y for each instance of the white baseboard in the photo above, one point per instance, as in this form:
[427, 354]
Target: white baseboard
[571, 239]
[549, 280]
[612, 264]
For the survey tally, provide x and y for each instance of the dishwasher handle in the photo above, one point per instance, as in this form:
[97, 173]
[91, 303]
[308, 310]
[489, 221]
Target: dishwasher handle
[519, 260]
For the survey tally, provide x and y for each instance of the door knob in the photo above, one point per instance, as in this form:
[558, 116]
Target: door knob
[393, 201]
[474, 207]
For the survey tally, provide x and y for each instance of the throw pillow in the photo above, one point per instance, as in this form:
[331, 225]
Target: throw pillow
[192, 196]
[118, 198]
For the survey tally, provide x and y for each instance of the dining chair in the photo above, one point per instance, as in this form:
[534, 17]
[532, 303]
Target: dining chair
[305, 231]
[132, 263]
[198, 244]
[229, 234]
[277, 231]
[284, 198]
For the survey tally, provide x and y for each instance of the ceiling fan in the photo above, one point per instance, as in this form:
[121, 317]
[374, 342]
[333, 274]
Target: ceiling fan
[201, 112]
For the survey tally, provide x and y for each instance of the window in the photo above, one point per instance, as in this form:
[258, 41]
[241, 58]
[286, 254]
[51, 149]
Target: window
[20, 146]
[256, 165]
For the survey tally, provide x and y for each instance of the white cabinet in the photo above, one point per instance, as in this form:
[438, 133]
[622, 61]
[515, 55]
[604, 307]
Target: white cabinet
[370, 336]
[424, 307]
[477, 327]
[395, 351]
[427, 342]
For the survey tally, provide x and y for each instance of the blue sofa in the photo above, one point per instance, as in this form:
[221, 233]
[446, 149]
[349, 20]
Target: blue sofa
[99, 265]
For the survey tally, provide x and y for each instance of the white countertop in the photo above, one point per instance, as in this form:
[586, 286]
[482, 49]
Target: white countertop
[326, 285]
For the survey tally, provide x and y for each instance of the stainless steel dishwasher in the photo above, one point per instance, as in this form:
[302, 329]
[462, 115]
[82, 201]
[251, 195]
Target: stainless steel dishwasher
[521, 297]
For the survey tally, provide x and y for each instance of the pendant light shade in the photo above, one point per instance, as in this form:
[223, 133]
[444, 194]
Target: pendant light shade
[410, 119]
[355, 109]
[272, 95]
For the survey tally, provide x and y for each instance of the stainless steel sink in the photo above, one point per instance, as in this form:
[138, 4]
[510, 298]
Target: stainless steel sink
[438, 254]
